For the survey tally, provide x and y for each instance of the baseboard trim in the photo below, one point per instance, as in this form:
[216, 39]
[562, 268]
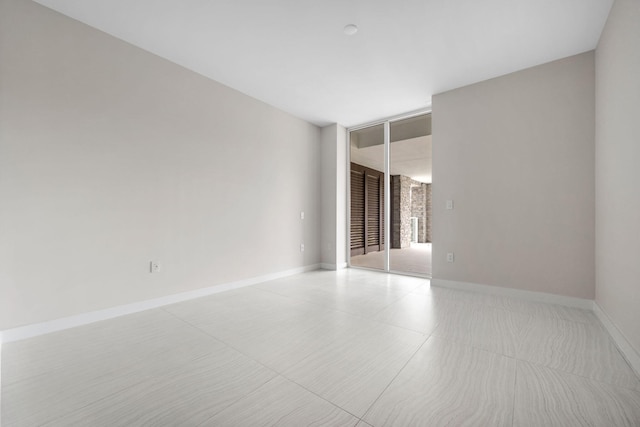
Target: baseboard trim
[28, 331]
[333, 267]
[628, 351]
[586, 304]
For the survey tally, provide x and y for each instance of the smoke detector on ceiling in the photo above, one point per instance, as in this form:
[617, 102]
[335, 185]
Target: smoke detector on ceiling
[350, 29]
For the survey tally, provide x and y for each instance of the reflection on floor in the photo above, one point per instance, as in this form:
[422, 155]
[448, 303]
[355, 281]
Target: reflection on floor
[416, 259]
[326, 348]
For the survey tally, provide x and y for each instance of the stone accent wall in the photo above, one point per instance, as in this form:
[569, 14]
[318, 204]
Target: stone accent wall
[409, 199]
[419, 208]
[429, 213]
[405, 205]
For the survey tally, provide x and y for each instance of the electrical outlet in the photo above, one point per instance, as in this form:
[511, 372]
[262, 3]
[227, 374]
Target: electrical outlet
[154, 267]
[449, 204]
[301, 247]
[450, 257]
[301, 214]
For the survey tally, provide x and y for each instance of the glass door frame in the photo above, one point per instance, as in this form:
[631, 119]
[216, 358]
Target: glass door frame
[387, 188]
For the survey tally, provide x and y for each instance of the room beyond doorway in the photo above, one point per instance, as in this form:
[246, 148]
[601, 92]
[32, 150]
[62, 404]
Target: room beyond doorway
[415, 259]
[390, 195]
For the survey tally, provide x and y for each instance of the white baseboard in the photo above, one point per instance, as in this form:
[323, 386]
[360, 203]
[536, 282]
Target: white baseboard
[28, 331]
[583, 303]
[333, 267]
[628, 351]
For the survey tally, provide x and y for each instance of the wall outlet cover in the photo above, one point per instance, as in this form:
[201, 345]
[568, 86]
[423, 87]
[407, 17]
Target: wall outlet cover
[154, 267]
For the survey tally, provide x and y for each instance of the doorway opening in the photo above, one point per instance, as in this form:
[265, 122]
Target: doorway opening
[390, 195]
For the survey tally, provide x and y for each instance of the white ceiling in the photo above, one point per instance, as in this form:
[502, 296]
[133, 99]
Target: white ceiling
[293, 54]
[409, 157]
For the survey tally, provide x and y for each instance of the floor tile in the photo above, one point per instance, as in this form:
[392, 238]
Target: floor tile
[125, 339]
[391, 282]
[460, 296]
[275, 330]
[358, 300]
[283, 342]
[418, 312]
[482, 326]
[326, 348]
[520, 305]
[548, 397]
[542, 310]
[92, 362]
[37, 400]
[579, 348]
[247, 306]
[448, 384]
[365, 296]
[181, 395]
[281, 402]
[352, 375]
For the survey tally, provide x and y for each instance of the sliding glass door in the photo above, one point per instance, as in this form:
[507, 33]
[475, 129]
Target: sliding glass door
[367, 189]
[390, 195]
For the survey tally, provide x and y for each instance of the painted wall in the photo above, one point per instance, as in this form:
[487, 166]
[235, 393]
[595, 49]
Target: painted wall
[111, 157]
[618, 170]
[516, 155]
[333, 206]
[341, 197]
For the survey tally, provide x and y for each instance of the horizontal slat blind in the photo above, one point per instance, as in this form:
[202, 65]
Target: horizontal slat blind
[357, 210]
[367, 210]
[373, 212]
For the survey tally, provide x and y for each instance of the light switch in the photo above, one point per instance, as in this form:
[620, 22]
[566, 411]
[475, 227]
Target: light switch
[449, 204]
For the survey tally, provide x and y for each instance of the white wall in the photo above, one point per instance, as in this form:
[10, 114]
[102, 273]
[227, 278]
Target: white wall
[618, 169]
[334, 200]
[111, 157]
[341, 197]
[516, 155]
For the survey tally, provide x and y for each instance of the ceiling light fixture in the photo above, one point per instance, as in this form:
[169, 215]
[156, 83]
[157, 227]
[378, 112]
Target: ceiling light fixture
[350, 29]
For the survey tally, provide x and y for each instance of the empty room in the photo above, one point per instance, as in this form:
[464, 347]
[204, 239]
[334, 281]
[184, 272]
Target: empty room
[338, 213]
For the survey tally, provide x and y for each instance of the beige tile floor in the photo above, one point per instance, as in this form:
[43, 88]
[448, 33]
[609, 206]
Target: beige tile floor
[343, 348]
[415, 259]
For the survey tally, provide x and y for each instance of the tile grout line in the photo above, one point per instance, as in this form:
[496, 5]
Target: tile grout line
[495, 307]
[608, 337]
[393, 302]
[264, 366]
[310, 304]
[320, 397]
[395, 376]
[233, 348]
[370, 318]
